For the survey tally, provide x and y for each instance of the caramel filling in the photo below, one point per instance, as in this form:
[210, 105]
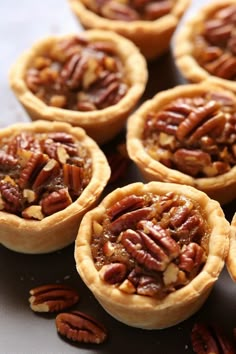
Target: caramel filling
[150, 244]
[195, 135]
[131, 10]
[41, 174]
[79, 75]
[215, 44]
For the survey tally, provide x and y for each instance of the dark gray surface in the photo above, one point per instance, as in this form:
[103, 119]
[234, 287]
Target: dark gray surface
[21, 330]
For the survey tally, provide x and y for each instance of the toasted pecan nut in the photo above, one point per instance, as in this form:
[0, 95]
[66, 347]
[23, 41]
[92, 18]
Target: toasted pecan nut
[80, 327]
[208, 339]
[52, 298]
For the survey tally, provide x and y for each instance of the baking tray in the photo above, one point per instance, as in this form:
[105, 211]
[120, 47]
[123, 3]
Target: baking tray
[25, 332]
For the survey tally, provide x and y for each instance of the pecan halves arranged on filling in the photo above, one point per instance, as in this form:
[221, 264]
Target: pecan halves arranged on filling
[195, 135]
[150, 245]
[215, 45]
[78, 74]
[41, 173]
[131, 10]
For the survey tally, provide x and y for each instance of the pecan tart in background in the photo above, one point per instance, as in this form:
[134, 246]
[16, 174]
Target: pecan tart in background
[205, 47]
[151, 253]
[187, 135]
[149, 24]
[92, 80]
[50, 175]
[231, 259]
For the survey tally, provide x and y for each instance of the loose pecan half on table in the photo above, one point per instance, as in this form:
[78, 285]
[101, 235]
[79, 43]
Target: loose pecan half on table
[41, 173]
[148, 252]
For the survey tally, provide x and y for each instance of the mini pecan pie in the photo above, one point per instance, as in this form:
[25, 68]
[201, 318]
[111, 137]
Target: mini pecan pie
[231, 259]
[50, 175]
[187, 135]
[151, 253]
[92, 80]
[205, 48]
[149, 24]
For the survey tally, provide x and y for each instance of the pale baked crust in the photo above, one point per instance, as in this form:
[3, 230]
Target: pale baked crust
[231, 259]
[59, 229]
[152, 37]
[142, 311]
[101, 125]
[184, 46]
[221, 188]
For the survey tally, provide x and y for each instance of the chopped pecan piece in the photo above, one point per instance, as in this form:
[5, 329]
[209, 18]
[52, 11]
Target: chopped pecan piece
[52, 298]
[79, 327]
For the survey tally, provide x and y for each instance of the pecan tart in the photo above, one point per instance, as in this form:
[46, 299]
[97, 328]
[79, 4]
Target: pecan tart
[92, 80]
[205, 47]
[151, 253]
[187, 135]
[231, 259]
[149, 24]
[50, 175]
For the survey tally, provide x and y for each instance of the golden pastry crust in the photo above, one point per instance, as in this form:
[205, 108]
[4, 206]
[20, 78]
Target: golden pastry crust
[184, 47]
[231, 258]
[102, 125]
[221, 187]
[143, 311]
[59, 229]
[152, 37]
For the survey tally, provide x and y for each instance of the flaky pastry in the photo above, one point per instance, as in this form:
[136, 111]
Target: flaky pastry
[231, 258]
[50, 175]
[151, 253]
[92, 80]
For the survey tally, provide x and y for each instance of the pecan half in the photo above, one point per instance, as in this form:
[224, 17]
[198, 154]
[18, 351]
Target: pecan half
[52, 298]
[207, 339]
[56, 201]
[80, 327]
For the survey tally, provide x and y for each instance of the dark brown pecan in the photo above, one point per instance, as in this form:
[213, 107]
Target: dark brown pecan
[191, 257]
[118, 11]
[191, 162]
[56, 201]
[159, 236]
[49, 171]
[73, 70]
[195, 118]
[113, 273]
[61, 137]
[155, 10]
[129, 220]
[80, 327]
[52, 297]
[11, 196]
[207, 339]
[23, 141]
[73, 177]
[7, 161]
[125, 205]
[35, 163]
[145, 251]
